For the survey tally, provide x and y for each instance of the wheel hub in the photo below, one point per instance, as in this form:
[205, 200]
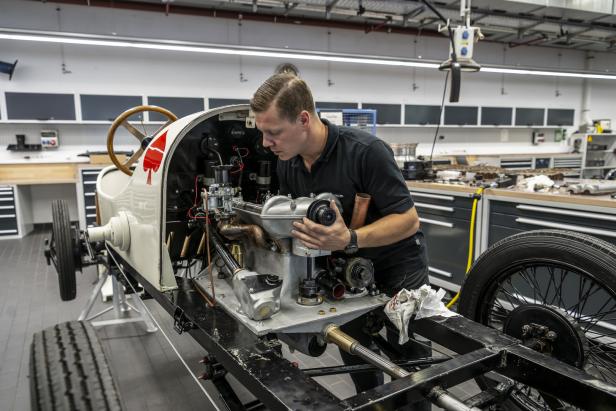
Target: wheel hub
[548, 330]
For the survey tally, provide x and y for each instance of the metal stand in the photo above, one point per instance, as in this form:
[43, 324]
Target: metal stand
[120, 306]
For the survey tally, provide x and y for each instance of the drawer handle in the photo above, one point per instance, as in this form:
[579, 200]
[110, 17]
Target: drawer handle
[8, 231]
[6, 199]
[90, 173]
[566, 212]
[440, 272]
[7, 216]
[435, 207]
[571, 227]
[89, 194]
[89, 182]
[436, 196]
[90, 215]
[7, 207]
[435, 222]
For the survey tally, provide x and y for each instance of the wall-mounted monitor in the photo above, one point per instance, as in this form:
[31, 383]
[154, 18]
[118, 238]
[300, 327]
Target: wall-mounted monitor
[385, 113]
[496, 116]
[460, 115]
[560, 117]
[529, 116]
[422, 115]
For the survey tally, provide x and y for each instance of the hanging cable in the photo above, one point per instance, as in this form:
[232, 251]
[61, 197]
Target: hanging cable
[438, 126]
[471, 239]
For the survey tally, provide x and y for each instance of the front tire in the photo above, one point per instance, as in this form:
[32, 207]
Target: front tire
[69, 371]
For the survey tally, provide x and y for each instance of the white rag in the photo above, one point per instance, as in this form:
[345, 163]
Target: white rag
[423, 302]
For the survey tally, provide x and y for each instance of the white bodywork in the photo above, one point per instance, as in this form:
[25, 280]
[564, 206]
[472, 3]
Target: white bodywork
[141, 197]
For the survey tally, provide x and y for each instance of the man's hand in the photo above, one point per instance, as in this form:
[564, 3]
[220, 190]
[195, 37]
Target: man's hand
[332, 238]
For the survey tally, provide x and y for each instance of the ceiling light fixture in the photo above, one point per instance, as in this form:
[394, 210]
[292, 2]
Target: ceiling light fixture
[169, 45]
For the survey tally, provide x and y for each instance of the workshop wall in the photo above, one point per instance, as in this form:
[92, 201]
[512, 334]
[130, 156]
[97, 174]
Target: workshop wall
[124, 71]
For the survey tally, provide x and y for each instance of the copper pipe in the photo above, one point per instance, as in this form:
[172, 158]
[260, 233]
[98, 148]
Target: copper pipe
[211, 302]
[201, 244]
[360, 209]
[234, 231]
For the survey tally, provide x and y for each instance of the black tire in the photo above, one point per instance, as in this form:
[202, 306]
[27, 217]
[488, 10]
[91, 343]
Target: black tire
[589, 257]
[68, 371]
[64, 249]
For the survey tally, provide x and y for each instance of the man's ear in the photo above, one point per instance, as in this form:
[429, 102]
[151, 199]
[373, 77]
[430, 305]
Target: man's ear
[304, 118]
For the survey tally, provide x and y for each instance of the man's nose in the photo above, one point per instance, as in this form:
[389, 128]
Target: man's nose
[267, 143]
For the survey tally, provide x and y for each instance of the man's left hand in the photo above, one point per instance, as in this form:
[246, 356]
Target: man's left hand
[313, 235]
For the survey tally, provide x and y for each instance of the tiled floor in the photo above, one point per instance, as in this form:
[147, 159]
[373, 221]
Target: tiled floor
[149, 374]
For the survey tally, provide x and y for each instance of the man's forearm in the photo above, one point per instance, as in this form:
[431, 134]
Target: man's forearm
[388, 230]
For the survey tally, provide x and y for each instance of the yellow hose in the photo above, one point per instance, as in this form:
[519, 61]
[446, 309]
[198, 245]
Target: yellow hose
[469, 262]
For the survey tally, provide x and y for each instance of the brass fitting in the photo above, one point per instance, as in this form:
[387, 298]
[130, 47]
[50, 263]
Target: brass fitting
[334, 335]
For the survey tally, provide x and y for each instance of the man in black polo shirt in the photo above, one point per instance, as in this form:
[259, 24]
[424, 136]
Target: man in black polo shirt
[315, 156]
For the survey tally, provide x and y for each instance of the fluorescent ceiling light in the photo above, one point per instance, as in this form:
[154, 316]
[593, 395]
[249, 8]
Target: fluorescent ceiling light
[169, 45]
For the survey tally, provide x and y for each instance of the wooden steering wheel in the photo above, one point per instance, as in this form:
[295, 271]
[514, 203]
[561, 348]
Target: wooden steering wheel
[122, 120]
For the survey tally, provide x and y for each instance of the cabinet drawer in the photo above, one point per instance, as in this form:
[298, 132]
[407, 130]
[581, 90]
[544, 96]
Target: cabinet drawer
[447, 242]
[519, 224]
[427, 209]
[90, 175]
[443, 200]
[8, 225]
[552, 217]
[7, 209]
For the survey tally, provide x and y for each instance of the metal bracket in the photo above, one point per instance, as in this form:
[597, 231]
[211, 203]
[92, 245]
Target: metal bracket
[180, 322]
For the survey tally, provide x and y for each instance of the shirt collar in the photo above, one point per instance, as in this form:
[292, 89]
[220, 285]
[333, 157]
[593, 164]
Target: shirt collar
[333, 132]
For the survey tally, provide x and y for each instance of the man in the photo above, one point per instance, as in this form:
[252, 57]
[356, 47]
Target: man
[315, 156]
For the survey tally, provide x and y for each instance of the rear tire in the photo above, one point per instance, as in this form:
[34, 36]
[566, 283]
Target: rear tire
[68, 371]
[569, 255]
[63, 245]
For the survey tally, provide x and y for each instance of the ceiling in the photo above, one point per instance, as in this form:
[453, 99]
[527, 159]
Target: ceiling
[570, 24]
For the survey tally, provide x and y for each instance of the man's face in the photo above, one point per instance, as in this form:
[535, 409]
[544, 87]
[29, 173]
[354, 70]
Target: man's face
[284, 138]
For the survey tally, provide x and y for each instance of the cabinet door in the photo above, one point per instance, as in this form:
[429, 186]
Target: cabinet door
[107, 108]
[180, 106]
[40, 106]
[447, 240]
[221, 102]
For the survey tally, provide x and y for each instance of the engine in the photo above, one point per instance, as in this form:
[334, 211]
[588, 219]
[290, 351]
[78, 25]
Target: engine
[222, 183]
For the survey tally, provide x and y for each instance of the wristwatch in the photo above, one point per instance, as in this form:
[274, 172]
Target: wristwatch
[351, 247]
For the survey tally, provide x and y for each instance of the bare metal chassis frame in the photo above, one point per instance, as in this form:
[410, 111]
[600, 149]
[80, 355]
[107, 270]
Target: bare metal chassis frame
[256, 362]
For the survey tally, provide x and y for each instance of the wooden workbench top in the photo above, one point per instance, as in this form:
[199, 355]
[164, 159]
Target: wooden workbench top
[556, 197]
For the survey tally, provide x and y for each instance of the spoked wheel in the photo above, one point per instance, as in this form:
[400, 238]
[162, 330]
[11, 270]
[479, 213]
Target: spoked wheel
[64, 249]
[554, 290]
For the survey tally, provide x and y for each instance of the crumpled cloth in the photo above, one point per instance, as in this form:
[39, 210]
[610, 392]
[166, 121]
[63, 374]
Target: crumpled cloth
[422, 302]
[536, 183]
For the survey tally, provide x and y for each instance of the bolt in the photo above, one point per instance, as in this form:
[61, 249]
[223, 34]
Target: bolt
[251, 290]
[321, 312]
[332, 309]
[551, 335]
[525, 329]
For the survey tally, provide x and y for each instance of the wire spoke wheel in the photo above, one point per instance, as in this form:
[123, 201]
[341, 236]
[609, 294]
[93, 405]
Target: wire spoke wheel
[555, 291]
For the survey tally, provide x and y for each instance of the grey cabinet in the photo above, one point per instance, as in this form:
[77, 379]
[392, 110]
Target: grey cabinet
[8, 212]
[40, 106]
[87, 192]
[445, 220]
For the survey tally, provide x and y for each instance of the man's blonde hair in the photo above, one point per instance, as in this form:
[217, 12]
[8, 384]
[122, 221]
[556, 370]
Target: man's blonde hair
[289, 93]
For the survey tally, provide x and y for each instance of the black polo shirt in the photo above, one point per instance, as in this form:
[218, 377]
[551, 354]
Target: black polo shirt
[352, 162]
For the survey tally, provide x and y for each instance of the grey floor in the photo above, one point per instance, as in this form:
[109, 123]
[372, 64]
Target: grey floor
[149, 374]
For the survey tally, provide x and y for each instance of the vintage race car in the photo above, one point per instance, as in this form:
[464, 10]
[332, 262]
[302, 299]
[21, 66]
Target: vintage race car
[195, 217]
